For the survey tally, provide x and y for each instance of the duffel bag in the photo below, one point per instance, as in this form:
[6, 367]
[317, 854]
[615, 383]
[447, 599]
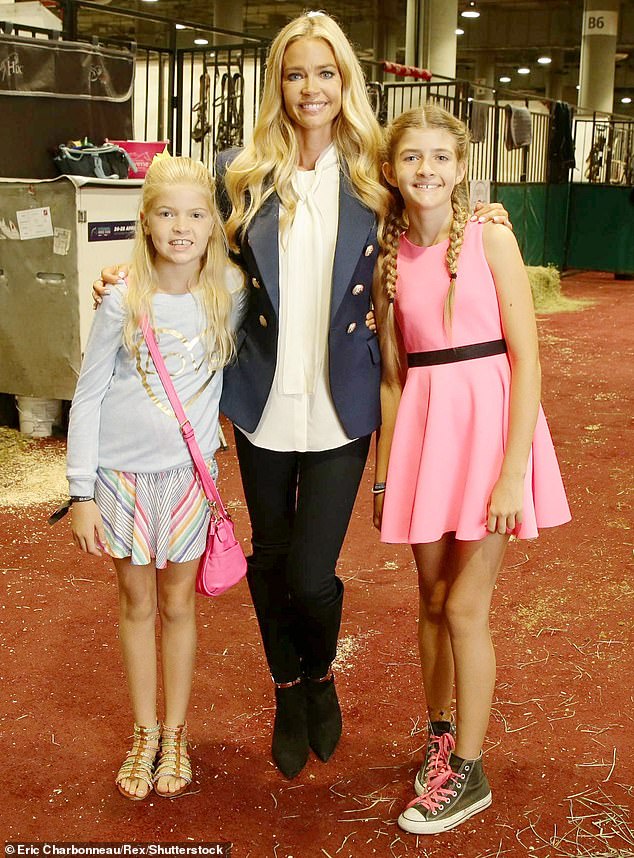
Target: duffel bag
[96, 162]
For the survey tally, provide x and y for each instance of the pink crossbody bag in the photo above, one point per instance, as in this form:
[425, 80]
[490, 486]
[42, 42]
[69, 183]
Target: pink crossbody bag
[223, 564]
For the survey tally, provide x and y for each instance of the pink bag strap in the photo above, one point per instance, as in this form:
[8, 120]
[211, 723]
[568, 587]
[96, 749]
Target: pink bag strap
[185, 426]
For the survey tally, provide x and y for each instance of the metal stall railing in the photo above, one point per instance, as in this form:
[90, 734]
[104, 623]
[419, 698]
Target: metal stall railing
[603, 143]
[604, 149]
[489, 157]
[202, 100]
[205, 100]
[28, 30]
[218, 92]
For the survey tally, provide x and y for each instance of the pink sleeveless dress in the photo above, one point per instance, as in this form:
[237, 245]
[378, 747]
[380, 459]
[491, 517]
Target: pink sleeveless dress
[452, 421]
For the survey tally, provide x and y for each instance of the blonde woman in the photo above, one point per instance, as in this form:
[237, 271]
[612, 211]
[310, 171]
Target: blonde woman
[304, 198]
[134, 491]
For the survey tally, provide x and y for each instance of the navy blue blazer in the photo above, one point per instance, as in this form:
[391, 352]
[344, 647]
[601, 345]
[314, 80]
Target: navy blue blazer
[353, 350]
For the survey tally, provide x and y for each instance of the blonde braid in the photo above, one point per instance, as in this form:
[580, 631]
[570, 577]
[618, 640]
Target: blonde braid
[460, 206]
[391, 229]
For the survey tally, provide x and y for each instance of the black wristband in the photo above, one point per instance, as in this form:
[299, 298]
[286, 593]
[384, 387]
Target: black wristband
[63, 509]
[378, 488]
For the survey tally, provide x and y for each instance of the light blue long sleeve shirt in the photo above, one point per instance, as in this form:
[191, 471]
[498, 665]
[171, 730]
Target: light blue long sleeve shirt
[120, 416]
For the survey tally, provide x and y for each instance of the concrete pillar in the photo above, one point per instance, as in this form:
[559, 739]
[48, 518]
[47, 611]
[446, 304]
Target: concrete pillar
[442, 37]
[386, 44]
[430, 35]
[598, 47]
[554, 75]
[229, 16]
[411, 31]
[391, 45]
[485, 74]
[379, 40]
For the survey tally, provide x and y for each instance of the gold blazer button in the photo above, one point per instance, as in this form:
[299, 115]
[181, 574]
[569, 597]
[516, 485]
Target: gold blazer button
[358, 289]
[263, 321]
[369, 250]
[351, 327]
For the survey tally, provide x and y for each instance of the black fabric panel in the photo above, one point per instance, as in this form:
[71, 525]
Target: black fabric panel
[33, 127]
[69, 69]
[91, 96]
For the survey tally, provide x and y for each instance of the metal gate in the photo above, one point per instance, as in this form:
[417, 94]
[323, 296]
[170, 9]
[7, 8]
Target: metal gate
[202, 100]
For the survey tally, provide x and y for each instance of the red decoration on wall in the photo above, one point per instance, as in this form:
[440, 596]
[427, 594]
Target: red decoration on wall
[406, 71]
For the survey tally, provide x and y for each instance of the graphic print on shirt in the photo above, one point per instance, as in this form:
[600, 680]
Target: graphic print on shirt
[181, 356]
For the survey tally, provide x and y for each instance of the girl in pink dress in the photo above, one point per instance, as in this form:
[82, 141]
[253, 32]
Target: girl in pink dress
[464, 456]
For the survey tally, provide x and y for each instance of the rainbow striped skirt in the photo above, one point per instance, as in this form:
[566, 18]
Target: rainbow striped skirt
[154, 518]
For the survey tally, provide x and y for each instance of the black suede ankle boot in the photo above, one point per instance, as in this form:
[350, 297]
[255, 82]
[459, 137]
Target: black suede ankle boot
[290, 731]
[324, 715]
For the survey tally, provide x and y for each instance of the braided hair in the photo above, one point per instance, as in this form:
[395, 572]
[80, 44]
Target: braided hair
[395, 222]
[460, 206]
[390, 230]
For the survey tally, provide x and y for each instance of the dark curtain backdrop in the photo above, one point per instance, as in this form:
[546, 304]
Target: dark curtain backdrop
[52, 92]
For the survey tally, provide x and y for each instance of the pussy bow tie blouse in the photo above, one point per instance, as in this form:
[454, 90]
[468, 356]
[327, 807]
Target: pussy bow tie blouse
[299, 413]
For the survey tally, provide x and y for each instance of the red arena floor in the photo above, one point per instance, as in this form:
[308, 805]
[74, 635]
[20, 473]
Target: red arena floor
[560, 751]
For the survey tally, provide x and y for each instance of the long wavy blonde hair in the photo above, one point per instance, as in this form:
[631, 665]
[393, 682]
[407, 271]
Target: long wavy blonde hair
[212, 289]
[267, 162]
[395, 223]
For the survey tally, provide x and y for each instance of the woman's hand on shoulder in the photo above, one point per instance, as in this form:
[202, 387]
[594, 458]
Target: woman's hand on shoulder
[504, 512]
[87, 527]
[491, 213]
[109, 276]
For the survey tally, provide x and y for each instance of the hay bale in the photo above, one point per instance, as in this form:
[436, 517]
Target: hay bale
[546, 288]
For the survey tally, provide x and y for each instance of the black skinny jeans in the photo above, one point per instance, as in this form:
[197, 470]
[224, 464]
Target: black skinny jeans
[300, 506]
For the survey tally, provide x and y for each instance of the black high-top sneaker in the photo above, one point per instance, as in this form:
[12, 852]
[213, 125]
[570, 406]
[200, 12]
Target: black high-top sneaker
[440, 743]
[455, 795]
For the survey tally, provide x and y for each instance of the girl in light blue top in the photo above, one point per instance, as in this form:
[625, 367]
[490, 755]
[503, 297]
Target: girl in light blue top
[134, 491]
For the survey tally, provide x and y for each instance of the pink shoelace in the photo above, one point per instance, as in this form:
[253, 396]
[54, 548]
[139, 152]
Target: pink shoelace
[442, 746]
[441, 790]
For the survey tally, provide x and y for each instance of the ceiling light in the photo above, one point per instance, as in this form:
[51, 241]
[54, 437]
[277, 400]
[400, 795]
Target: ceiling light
[459, 31]
[180, 26]
[544, 61]
[505, 79]
[626, 100]
[149, 1]
[470, 11]
[201, 41]
[523, 70]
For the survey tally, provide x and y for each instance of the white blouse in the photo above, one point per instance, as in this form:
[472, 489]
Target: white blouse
[299, 414]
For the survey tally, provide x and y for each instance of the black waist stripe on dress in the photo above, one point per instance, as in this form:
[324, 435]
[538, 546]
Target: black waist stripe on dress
[470, 352]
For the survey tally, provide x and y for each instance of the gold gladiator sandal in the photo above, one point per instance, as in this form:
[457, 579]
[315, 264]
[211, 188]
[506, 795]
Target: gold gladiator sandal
[173, 760]
[139, 762]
